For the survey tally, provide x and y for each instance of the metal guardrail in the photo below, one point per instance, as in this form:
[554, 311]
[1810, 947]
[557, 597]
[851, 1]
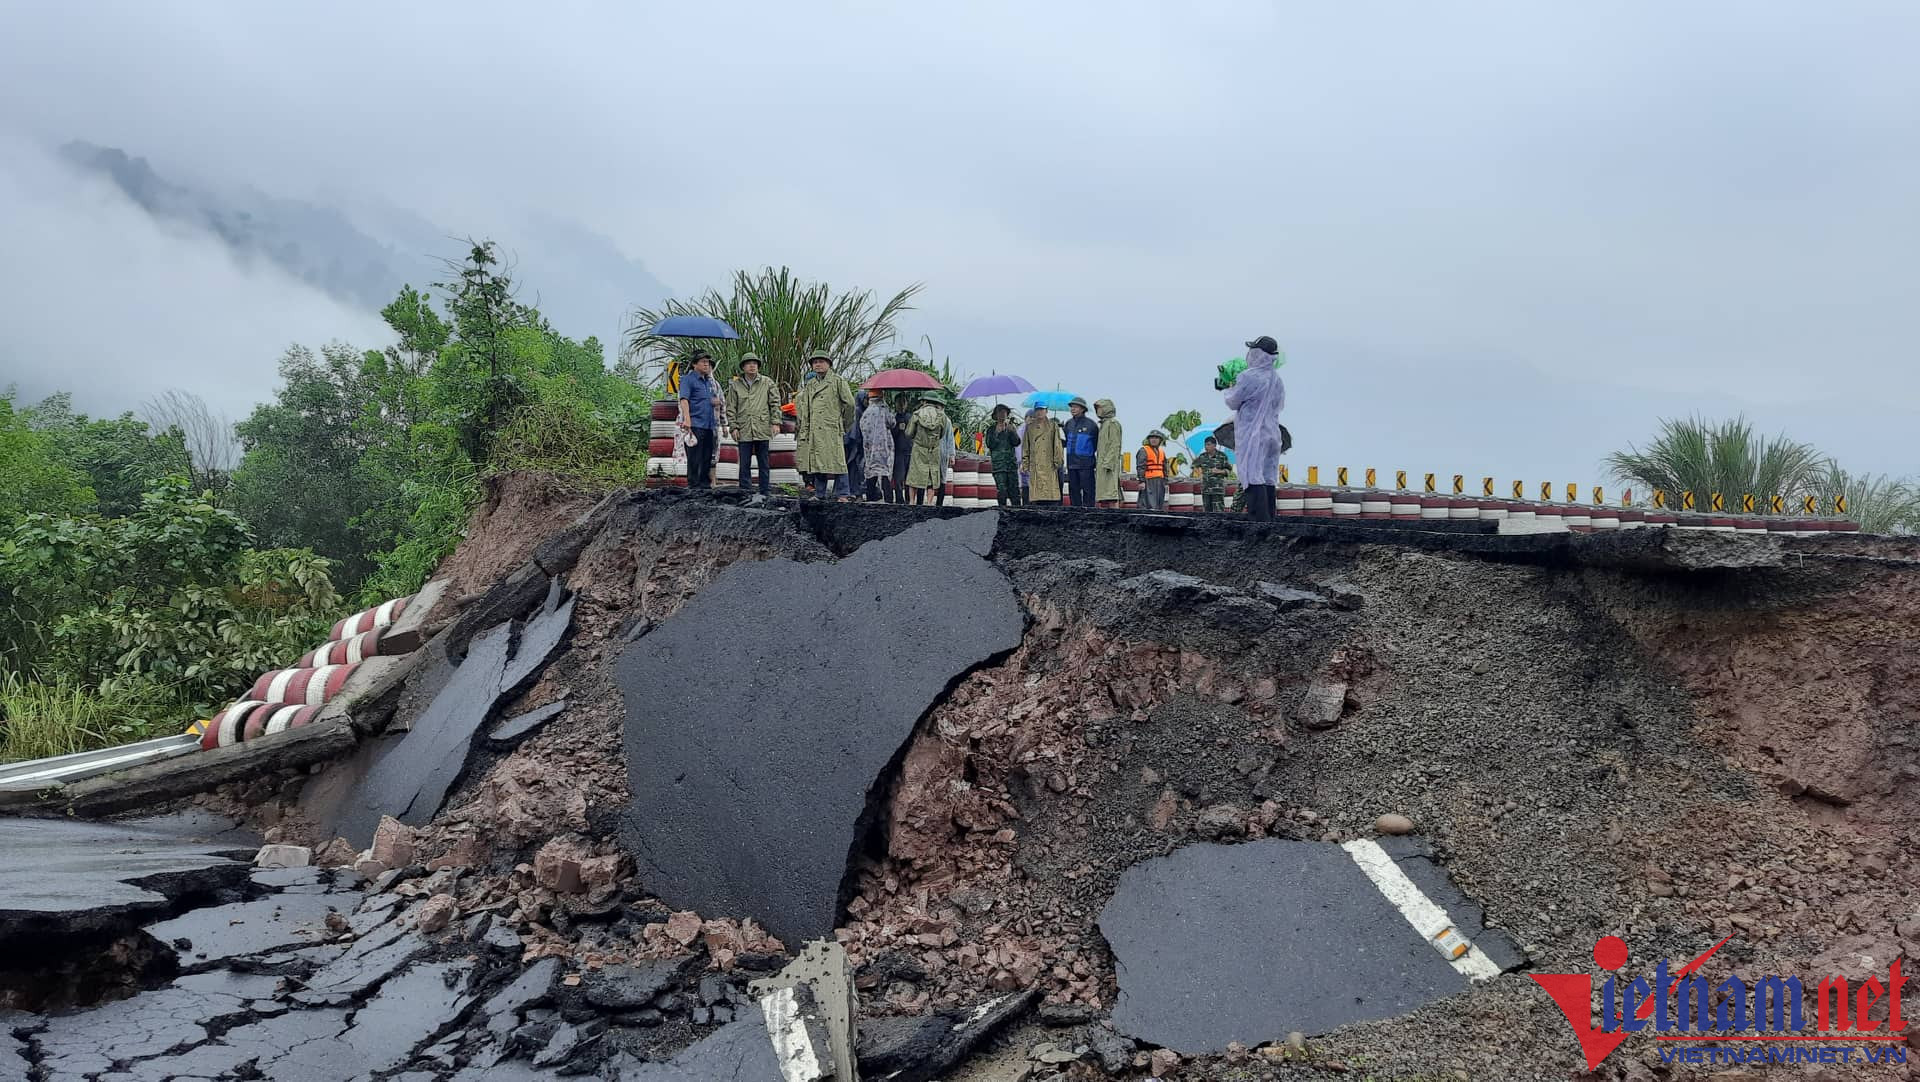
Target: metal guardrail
[40, 773]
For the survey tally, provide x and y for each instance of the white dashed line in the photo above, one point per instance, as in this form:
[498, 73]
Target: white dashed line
[1426, 918]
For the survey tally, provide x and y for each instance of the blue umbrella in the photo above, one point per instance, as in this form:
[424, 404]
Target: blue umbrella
[989, 386]
[693, 327]
[1196, 441]
[1053, 400]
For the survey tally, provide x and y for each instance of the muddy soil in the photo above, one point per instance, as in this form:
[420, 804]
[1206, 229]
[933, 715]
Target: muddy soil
[1592, 750]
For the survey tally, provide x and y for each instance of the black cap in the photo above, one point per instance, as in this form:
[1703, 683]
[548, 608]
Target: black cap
[1264, 344]
[700, 355]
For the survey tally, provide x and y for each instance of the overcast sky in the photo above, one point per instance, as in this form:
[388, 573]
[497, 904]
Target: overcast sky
[1492, 238]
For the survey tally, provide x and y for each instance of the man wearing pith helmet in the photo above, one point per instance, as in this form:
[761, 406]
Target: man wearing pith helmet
[824, 411]
[753, 412]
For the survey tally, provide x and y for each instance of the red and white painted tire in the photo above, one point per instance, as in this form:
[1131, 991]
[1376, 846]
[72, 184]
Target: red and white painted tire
[310, 686]
[1460, 509]
[343, 651]
[1289, 501]
[224, 729]
[1405, 505]
[666, 409]
[1547, 516]
[665, 468]
[367, 619]
[1632, 519]
[1749, 525]
[1376, 504]
[1492, 510]
[1605, 518]
[663, 430]
[1319, 501]
[1433, 507]
[1346, 504]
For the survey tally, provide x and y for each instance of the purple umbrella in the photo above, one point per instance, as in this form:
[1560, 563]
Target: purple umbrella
[989, 386]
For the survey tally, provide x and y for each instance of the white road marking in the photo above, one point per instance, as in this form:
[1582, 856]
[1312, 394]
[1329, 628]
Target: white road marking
[1426, 918]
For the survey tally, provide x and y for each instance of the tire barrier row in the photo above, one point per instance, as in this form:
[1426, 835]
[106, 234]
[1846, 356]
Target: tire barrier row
[1713, 503]
[343, 651]
[1311, 501]
[249, 719]
[366, 620]
[291, 698]
[307, 687]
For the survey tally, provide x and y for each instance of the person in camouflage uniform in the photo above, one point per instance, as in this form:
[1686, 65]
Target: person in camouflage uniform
[1213, 469]
[1003, 442]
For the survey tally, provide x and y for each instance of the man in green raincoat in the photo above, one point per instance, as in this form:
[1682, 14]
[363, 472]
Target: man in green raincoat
[926, 434]
[753, 416]
[823, 411]
[1003, 442]
[1106, 460]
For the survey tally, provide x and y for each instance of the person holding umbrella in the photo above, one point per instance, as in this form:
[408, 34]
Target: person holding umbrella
[753, 411]
[1003, 444]
[1046, 463]
[823, 411]
[1256, 399]
[1083, 447]
[700, 404]
[1213, 467]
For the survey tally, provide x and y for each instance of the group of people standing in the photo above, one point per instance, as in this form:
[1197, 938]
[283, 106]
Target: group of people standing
[858, 446]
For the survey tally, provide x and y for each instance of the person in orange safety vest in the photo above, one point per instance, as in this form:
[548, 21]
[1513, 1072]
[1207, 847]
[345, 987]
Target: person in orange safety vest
[1150, 466]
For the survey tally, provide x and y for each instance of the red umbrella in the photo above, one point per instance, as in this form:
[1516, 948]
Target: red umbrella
[901, 379]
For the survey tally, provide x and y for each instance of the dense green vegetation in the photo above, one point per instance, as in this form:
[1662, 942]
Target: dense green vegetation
[144, 583]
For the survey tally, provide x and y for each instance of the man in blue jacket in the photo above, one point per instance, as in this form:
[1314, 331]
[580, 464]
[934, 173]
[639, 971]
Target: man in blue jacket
[1083, 442]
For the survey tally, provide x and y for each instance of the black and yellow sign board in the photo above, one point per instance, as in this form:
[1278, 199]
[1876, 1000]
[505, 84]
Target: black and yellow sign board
[1746, 502]
[1573, 492]
[1686, 500]
[1313, 475]
[1430, 486]
[1340, 476]
[1659, 498]
[1777, 505]
[1283, 471]
[1716, 502]
[1810, 506]
[1546, 491]
[1373, 477]
[1459, 484]
[1486, 486]
[1599, 497]
[1519, 490]
[1399, 478]
[1839, 505]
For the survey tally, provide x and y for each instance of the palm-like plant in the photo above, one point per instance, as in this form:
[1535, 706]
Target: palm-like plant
[781, 318]
[1694, 455]
[1177, 424]
[1880, 504]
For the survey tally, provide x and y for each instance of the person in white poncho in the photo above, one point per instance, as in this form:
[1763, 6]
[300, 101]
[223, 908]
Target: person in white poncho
[1256, 399]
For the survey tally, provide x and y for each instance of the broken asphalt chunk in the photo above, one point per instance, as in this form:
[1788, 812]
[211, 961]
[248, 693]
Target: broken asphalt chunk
[1215, 944]
[750, 792]
[513, 730]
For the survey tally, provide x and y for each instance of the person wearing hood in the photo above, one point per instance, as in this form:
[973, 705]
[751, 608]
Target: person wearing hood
[853, 486]
[876, 438]
[1083, 448]
[926, 431]
[1256, 399]
[947, 447]
[753, 416]
[1150, 466]
[1003, 446]
[902, 447]
[1107, 460]
[1045, 459]
[823, 412]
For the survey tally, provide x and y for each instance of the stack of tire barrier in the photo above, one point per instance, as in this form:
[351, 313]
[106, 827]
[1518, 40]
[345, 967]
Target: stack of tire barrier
[291, 698]
[1183, 495]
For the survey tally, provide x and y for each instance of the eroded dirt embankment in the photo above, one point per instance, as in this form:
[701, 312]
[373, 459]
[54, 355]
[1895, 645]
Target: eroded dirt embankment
[1669, 756]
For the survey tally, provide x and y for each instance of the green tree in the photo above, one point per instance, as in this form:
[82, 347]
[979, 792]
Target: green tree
[1695, 455]
[309, 476]
[34, 476]
[781, 318]
[1177, 424]
[173, 596]
[120, 456]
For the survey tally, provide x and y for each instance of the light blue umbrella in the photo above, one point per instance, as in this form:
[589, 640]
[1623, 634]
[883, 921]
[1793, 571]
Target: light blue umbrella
[1052, 400]
[1196, 441]
[693, 327]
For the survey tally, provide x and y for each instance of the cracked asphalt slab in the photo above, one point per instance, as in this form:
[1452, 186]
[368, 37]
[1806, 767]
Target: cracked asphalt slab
[73, 877]
[1215, 944]
[751, 787]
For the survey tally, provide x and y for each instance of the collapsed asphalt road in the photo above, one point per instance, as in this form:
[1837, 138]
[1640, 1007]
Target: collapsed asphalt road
[761, 718]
